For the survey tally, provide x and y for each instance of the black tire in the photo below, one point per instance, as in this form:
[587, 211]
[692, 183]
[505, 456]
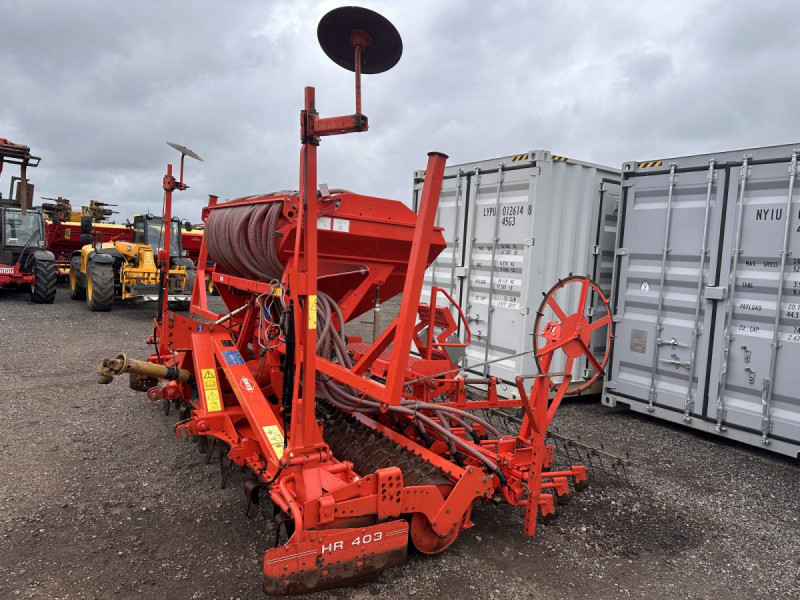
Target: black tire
[183, 305]
[100, 286]
[43, 290]
[77, 280]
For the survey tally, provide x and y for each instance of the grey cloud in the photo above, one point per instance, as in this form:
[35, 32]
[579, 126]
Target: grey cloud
[96, 88]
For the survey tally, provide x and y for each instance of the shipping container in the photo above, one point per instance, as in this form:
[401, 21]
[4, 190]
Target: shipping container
[706, 294]
[514, 226]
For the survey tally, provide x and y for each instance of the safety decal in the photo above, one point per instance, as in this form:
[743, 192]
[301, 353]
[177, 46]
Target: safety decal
[557, 158]
[211, 390]
[652, 163]
[519, 157]
[232, 357]
[275, 437]
[312, 311]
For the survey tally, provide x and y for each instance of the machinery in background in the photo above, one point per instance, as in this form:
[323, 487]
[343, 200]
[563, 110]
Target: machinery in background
[361, 448]
[59, 210]
[126, 268]
[64, 228]
[24, 262]
[192, 240]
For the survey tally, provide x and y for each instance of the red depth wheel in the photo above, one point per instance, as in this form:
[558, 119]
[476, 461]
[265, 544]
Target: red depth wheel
[576, 330]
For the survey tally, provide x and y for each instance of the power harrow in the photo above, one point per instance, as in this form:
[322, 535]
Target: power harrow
[361, 447]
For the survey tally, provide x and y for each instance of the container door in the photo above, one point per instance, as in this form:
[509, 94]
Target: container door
[665, 276]
[444, 271]
[603, 260]
[499, 231]
[754, 373]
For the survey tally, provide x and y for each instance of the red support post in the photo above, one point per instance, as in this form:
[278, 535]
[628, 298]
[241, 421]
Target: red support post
[200, 294]
[429, 202]
[166, 223]
[303, 280]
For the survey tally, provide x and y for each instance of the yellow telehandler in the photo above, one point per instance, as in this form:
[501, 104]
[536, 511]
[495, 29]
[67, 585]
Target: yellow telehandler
[102, 271]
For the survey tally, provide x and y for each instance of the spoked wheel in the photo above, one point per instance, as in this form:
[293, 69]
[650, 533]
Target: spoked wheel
[572, 332]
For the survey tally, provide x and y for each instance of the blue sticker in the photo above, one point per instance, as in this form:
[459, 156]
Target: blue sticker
[232, 357]
[199, 328]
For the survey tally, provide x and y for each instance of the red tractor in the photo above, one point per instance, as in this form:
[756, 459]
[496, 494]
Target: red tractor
[24, 262]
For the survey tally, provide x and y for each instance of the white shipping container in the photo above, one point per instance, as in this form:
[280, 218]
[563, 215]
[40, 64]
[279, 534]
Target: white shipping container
[514, 226]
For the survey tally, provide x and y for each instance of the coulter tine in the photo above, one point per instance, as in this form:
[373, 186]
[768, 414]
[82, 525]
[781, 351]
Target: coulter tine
[225, 464]
[184, 413]
[226, 471]
[251, 493]
[210, 449]
[281, 519]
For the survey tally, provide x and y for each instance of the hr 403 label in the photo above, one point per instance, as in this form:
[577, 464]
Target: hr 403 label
[361, 540]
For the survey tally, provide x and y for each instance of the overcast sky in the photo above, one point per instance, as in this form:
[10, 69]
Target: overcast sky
[96, 87]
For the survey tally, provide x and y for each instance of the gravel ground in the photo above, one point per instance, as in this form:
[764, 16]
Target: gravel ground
[98, 499]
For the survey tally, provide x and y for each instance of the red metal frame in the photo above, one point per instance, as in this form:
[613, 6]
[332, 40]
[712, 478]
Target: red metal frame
[10, 274]
[344, 526]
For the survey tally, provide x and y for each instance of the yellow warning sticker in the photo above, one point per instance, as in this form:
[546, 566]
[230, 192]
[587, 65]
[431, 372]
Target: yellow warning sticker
[212, 401]
[312, 312]
[275, 437]
[209, 379]
[211, 390]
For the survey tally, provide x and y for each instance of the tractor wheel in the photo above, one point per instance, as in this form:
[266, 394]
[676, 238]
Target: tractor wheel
[183, 305]
[77, 280]
[100, 286]
[211, 288]
[43, 290]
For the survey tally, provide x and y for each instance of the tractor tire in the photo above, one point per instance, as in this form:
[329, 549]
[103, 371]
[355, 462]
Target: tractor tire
[43, 290]
[100, 286]
[183, 305]
[211, 288]
[77, 280]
